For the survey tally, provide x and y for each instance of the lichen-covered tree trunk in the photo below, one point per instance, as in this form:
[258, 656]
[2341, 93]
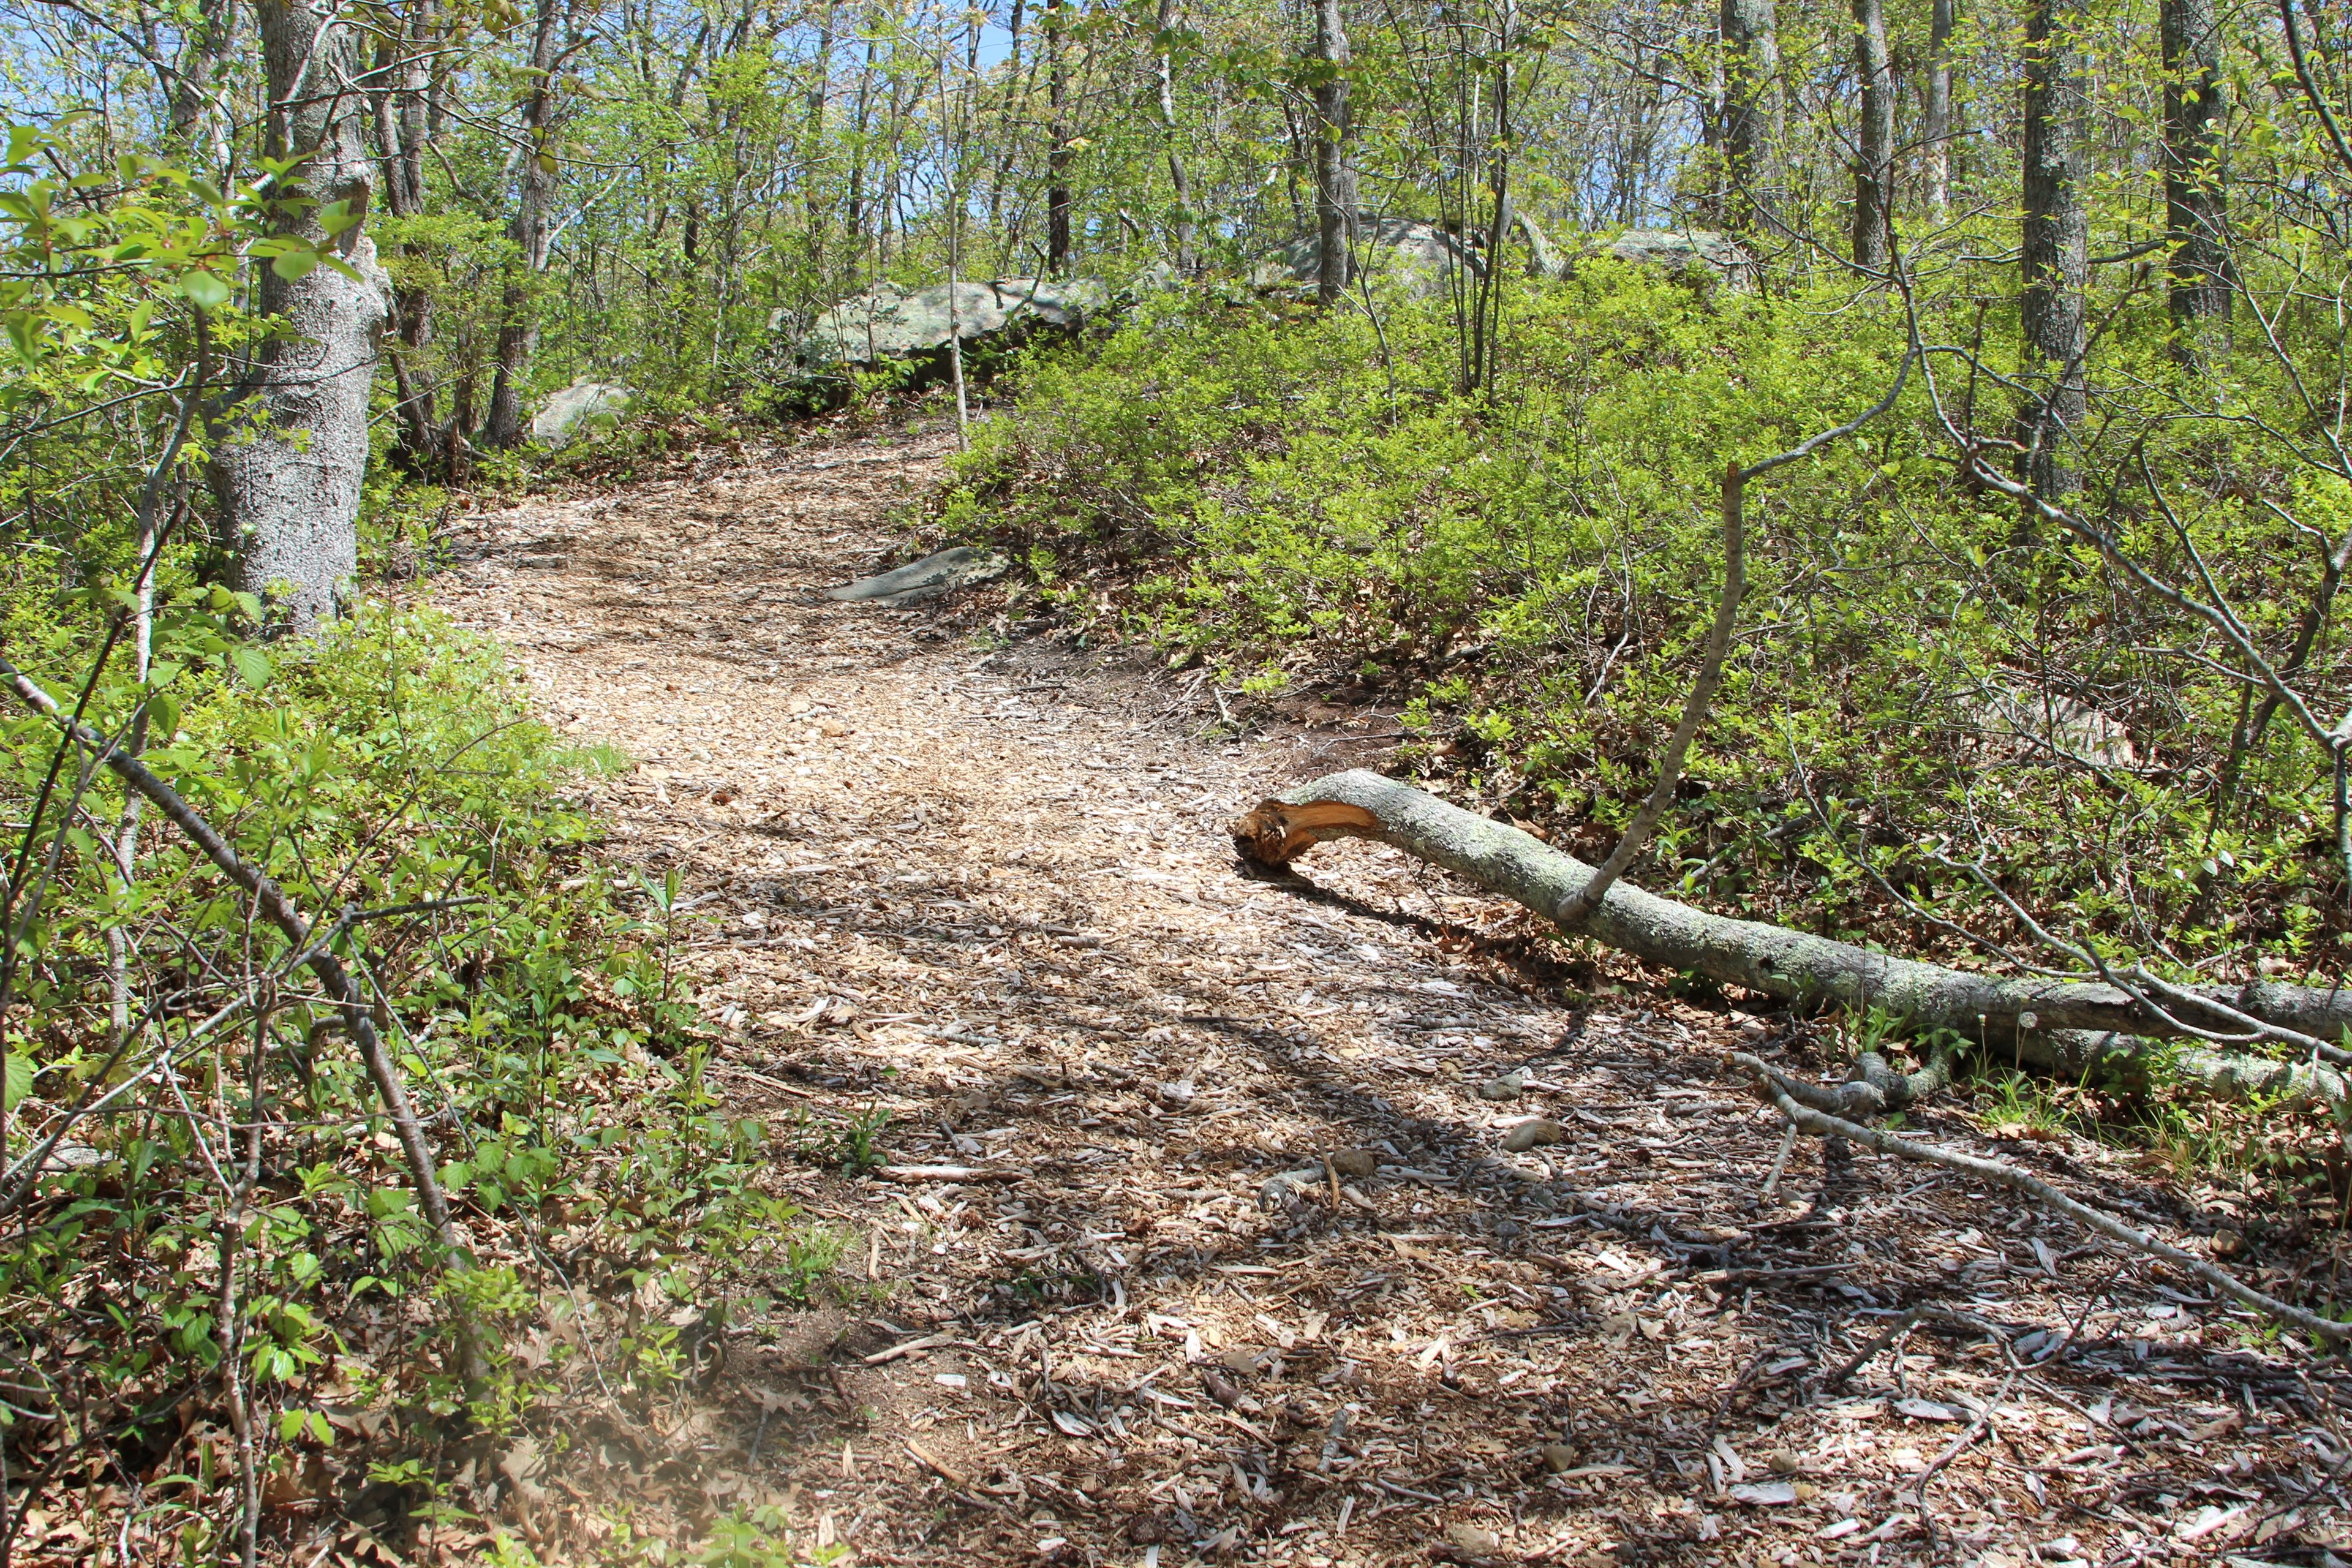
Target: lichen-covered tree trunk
[1335, 171]
[519, 331]
[292, 445]
[1751, 111]
[1057, 153]
[1937, 130]
[1873, 168]
[1182, 220]
[2056, 251]
[401, 135]
[2195, 201]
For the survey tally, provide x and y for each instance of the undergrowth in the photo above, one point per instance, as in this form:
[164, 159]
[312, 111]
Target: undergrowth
[1520, 582]
[171, 1322]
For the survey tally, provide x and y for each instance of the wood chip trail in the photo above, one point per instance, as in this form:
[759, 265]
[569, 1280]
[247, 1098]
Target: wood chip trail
[1128, 1304]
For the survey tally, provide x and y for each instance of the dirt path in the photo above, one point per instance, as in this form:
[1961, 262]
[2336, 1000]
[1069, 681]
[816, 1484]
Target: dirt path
[984, 888]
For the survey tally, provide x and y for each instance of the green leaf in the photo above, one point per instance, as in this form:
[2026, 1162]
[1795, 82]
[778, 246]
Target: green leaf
[295, 265]
[15, 1080]
[252, 668]
[204, 289]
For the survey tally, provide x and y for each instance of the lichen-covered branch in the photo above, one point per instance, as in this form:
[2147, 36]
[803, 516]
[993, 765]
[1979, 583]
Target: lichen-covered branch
[1774, 959]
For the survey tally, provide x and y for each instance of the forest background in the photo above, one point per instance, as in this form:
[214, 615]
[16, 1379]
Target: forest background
[2038, 668]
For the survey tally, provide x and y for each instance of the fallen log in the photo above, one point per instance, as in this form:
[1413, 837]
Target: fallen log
[2225, 1075]
[1997, 1011]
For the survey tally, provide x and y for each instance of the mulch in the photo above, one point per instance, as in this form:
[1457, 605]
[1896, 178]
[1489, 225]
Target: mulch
[1114, 1300]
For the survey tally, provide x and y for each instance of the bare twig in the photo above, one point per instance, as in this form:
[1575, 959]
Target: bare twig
[1775, 1087]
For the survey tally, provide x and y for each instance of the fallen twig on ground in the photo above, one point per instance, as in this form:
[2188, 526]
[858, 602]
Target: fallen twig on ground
[1775, 1086]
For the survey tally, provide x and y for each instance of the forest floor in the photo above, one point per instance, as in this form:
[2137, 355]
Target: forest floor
[980, 881]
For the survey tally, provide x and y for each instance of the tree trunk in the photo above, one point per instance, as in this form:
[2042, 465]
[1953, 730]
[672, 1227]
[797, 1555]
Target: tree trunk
[1177, 181]
[1015, 116]
[2196, 202]
[1938, 130]
[1874, 170]
[289, 489]
[519, 325]
[1335, 173]
[2056, 254]
[853, 221]
[400, 136]
[1058, 157]
[200, 119]
[819, 94]
[1751, 111]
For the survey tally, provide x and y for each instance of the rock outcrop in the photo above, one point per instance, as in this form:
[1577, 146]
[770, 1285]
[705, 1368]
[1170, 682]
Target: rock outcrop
[584, 408]
[1419, 256]
[1423, 256]
[1699, 254]
[887, 322]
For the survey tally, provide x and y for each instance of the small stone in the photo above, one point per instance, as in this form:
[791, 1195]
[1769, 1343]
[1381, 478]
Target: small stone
[1507, 1087]
[1783, 1462]
[1472, 1540]
[1355, 1164]
[1558, 1458]
[1533, 1133]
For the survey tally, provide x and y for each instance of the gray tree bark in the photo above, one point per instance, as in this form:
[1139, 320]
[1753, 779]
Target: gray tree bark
[2056, 253]
[1334, 170]
[518, 329]
[1751, 111]
[401, 133]
[2195, 200]
[293, 447]
[1179, 181]
[1937, 130]
[1058, 157]
[200, 121]
[1874, 169]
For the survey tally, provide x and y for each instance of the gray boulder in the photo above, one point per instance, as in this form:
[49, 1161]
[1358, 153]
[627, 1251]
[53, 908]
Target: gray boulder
[584, 408]
[887, 322]
[1423, 256]
[1419, 256]
[1700, 254]
[926, 579]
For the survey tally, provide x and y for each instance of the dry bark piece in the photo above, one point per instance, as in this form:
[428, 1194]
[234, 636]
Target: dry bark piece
[948, 1173]
[925, 579]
